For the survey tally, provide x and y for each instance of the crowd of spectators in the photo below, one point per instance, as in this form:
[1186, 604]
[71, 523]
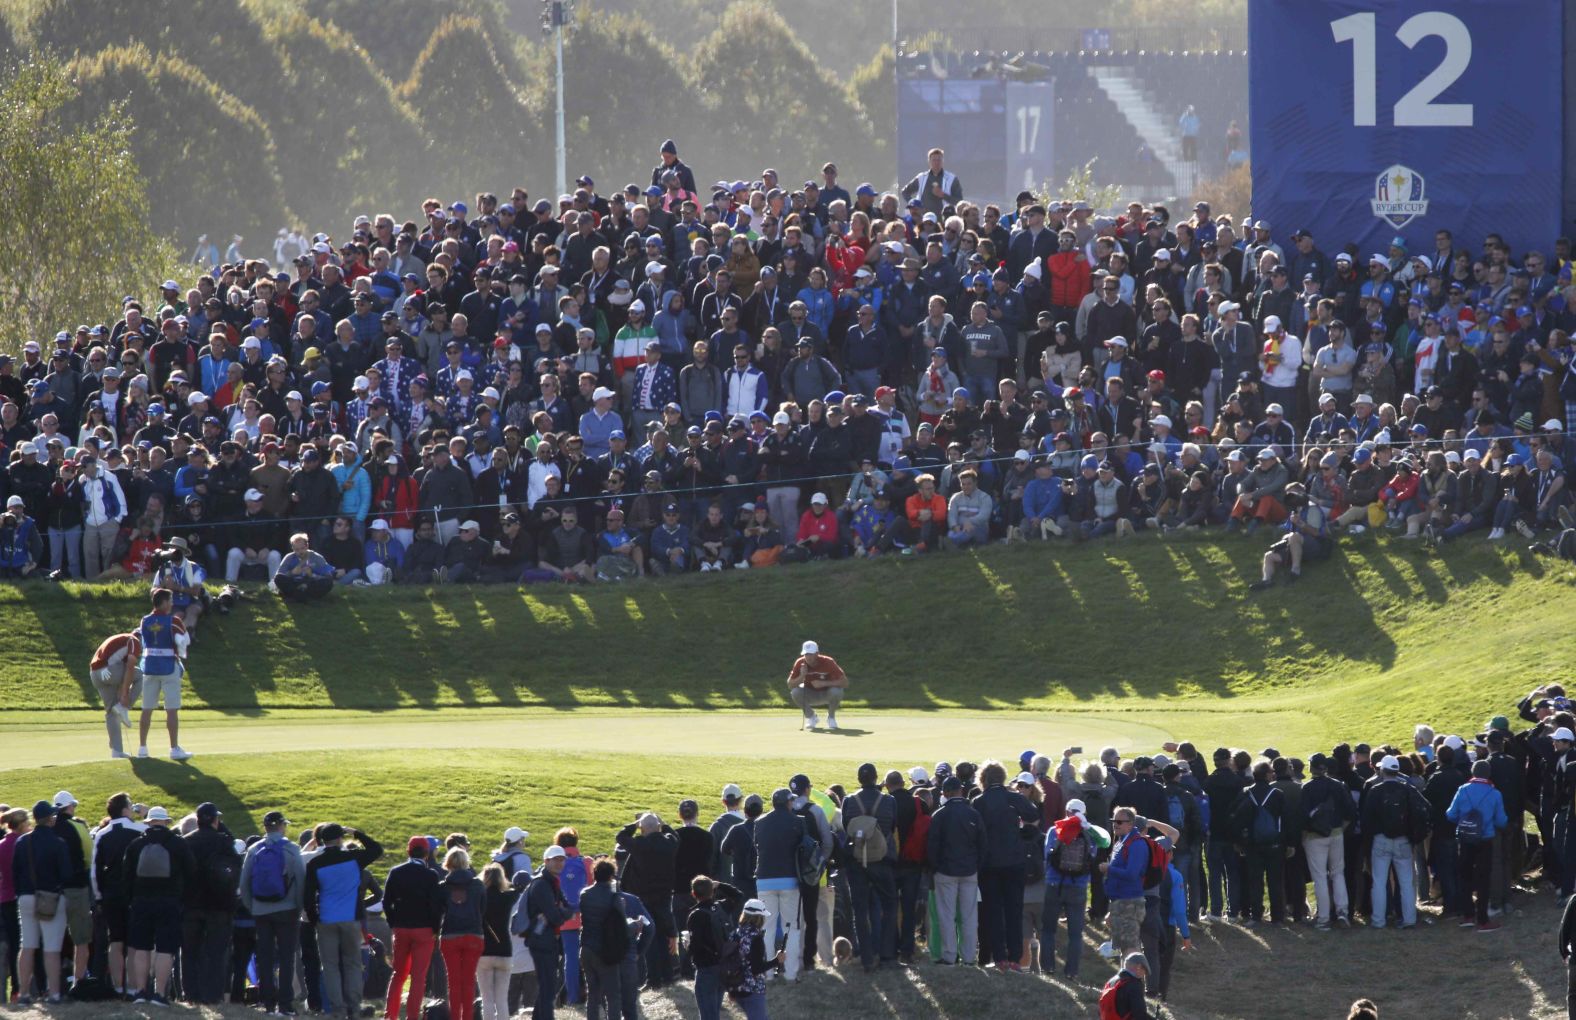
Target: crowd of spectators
[670, 379]
[961, 865]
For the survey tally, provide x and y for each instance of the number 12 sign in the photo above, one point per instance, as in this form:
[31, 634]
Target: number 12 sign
[1372, 119]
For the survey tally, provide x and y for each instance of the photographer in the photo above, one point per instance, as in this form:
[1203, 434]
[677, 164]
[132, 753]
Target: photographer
[1307, 537]
[176, 570]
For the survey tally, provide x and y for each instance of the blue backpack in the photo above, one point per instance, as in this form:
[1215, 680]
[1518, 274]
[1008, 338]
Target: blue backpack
[270, 878]
[1176, 814]
[1265, 830]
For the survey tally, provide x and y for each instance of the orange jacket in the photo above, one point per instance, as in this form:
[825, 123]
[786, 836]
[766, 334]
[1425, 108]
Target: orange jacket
[1069, 277]
[936, 505]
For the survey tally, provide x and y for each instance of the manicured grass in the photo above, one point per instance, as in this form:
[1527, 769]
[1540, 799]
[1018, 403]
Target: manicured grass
[1380, 635]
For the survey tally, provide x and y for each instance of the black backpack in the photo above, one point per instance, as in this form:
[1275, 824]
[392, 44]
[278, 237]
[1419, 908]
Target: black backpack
[1033, 854]
[615, 934]
[1074, 859]
[1323, 817]
[222, 878]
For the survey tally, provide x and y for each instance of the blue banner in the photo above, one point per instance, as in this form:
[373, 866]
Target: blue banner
[1398, 117]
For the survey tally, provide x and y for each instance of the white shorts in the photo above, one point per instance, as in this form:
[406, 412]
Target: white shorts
[169, 685]
[47, 935]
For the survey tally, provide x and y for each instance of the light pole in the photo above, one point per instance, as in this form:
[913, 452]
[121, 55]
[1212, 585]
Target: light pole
[555, 14]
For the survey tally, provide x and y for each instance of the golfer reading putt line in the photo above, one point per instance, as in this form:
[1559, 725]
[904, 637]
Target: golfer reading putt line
[816, 680]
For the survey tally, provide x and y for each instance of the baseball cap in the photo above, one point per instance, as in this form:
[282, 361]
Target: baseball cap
[820, 498]
[810, 647]
[554, 853]
[1391, 763]
[1563, 733]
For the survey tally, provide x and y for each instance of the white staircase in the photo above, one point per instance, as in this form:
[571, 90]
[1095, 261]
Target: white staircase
[1158, 130]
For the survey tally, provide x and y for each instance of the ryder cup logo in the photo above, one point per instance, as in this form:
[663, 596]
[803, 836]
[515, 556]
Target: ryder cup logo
[1398, 196]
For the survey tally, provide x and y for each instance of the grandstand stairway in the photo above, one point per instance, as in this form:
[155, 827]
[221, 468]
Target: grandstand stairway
[1124, 88]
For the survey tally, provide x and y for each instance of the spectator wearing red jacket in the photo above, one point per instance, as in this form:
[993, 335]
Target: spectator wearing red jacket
[818, 529]
[1068, 275]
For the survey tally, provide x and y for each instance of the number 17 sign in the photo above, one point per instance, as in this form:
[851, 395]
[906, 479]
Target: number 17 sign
[1372, 119]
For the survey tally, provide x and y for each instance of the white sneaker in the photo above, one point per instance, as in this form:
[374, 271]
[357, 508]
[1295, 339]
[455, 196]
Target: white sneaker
[123, 714]
[1525, 529]
[142, 752]
[1495, 534]
[1107, 950]
[742, 565]
[118, 754]
[1357, 529]
[179, 754]
[812, 722]
[831, 721]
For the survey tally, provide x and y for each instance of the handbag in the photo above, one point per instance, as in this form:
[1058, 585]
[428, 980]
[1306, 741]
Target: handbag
[46, 903]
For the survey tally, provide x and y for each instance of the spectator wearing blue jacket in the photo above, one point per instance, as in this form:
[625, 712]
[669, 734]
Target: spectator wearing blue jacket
[1124, 880]
[355, 488]
[334, 905]
[670, 543]
[1044, 513]
[599, 423]
[538, 915]
[1067, 876]
[818, 301]
[954, 848]
[1478, 812]
[385, 554]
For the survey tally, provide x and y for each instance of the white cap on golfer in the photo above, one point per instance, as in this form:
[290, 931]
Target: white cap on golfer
[810, 648]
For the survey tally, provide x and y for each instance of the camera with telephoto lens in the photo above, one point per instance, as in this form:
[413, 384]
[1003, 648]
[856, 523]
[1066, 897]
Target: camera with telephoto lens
[229, 596]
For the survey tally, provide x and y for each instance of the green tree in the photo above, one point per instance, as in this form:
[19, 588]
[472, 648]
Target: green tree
[394, 32]
[194, 140]
[84, 240]
[778, 106]
[460, 83]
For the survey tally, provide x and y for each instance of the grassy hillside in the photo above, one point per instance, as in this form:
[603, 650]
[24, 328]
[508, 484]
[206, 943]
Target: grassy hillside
[1377, 636]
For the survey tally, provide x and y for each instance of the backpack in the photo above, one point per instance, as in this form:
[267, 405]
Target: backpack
[1418, 822]
[1155, 869]
[1033, 854]
[1323, 817]
[1392, 810]
[811, 860]
[1075, 859]
[154, 861]
[730, 963]
[270, 879]
[866, 841]
[1264, 829]
[1469, 827]
[1176, 812]
[222, 876]
[1109, 993]
[615, 935]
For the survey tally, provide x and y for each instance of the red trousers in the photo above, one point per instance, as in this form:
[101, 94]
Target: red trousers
[461, 954]
[412, 953]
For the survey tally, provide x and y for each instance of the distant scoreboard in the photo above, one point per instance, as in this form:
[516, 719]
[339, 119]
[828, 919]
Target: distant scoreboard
[997, 133]
[1395, 117]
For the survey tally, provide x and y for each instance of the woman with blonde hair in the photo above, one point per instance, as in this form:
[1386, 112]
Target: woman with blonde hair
[492, 970]
[463, 899]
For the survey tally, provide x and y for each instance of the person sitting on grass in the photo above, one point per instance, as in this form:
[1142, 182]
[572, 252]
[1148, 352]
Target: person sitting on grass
[1307, 538]
[1259, 500]
[303, 575]
[968, 512]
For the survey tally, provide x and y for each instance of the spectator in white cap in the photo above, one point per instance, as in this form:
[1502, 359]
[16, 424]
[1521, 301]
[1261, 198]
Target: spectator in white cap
[750, 991]
[1281, 357]
[384, 554]
[511, 855]
[816, 680]
[254, 539]
[598, 423]
[1393, 812]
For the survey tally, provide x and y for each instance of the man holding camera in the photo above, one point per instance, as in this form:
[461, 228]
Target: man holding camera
[176, 572]
[162, 634]
[1307, 538]
[817, 680]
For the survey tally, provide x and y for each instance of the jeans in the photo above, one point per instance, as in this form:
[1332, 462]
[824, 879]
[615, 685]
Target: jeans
[546, 963]
[909, 879]
[461, 954]
[412, 953]
[278, 936]
[1447, 868]
[708, 992]
[570, 962]
[659, 962]
[1327, 865]
[1067, 900]
[1388, 852]
[629, 985]
[1001, 899]
[753, 1005]
[873, 891]
[602, 988]
[787, 909]
[204, 942]
[957, 911]
[339, 951]
[65, 550]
